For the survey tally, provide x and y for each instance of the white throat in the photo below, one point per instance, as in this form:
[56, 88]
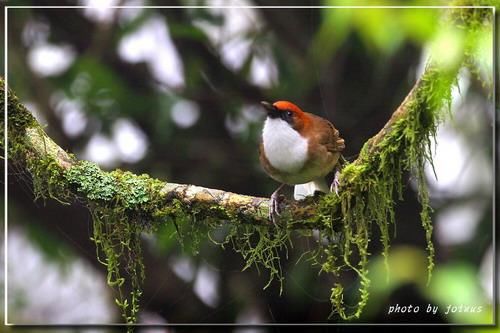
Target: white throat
[284, 147]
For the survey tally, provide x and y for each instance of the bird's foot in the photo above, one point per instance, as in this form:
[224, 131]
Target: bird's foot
[274, 209]
[274, 206]
[334, 187]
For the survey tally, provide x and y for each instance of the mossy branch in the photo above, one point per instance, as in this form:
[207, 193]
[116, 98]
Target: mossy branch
[28, 144]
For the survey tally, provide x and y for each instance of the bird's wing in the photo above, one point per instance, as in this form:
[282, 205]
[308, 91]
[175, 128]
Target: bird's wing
[329, 136]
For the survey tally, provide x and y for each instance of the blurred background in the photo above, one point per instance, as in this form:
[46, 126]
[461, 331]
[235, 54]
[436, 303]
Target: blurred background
[175, 93]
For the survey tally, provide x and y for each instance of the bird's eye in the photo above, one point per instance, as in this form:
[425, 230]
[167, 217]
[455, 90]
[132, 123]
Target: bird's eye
[287, 116]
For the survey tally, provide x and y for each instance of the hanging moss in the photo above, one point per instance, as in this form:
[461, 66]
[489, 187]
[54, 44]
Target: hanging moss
[374, 182]
[118, 202]
[119, 241]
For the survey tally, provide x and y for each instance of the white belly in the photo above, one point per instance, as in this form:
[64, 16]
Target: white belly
[285, 149]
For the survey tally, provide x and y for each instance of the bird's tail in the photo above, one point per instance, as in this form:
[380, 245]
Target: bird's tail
[303, 190]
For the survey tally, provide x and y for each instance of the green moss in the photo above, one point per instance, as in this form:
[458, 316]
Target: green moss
[48, 180]
[47, 175]
[19, 119]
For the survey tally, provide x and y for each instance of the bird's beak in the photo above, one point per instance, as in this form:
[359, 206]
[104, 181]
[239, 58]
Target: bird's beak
[268, 106]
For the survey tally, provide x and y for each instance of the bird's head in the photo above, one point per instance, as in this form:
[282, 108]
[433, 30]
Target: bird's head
[287, 112]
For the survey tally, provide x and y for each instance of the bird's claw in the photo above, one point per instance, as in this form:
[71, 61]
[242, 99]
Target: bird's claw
[334, 187]
[274, 208]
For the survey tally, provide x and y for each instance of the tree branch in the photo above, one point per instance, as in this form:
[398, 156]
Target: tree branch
[244, 208]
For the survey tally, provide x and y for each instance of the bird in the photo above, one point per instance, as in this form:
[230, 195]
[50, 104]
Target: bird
[298, 148]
